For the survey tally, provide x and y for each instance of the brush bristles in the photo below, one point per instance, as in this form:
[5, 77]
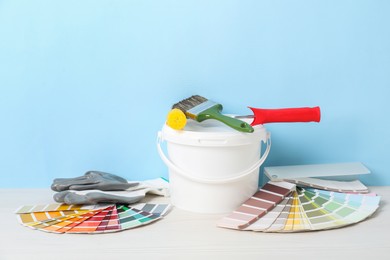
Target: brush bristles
[188, 103]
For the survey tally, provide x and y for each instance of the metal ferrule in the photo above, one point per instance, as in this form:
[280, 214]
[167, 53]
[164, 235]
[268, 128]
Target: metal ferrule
[201, 107]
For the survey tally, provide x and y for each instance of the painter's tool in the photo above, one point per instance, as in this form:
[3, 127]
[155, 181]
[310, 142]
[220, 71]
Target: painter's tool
[91, 219]
[131, 195]
[264, 200]
[96, 187]
[336, 171]
[199, 109]
[176, 119]
[284, 115]
[278, 207]
[92, 180]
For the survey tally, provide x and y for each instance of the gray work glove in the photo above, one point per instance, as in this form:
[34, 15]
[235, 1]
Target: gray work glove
[93, 180]
[131, 195]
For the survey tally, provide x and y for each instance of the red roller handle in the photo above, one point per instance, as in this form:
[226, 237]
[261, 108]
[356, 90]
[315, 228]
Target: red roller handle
[285, 115]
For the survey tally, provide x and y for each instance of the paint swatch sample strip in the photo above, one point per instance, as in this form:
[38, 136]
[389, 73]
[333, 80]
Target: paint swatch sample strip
[100, 218]
[263, 201]
[308, 209]
[340, 186]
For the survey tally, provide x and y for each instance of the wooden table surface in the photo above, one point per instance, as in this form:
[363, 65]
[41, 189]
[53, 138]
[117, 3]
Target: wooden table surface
[186, 235]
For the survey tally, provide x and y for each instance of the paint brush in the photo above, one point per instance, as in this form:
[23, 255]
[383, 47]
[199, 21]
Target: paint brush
[199, 109]
[284, 115]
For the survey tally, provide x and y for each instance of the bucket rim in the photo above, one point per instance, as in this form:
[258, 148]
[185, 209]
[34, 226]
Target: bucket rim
[212, 137]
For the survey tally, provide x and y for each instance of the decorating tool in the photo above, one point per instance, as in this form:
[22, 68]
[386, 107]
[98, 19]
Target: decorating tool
[276, 207]
[91, 219]
[176, 119]
[199, 109]
[284, 115]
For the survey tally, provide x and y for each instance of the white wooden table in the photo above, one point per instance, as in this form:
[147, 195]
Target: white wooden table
[185, 235]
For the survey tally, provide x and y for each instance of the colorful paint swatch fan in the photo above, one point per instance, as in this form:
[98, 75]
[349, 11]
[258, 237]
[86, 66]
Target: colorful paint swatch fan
[99, 218]
[282, 207]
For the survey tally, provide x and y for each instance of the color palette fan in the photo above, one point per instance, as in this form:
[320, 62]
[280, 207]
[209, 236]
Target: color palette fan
[99, 218]
[301, 209]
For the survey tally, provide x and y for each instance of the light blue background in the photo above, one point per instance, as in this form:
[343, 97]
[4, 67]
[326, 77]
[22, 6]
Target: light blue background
[87, 84]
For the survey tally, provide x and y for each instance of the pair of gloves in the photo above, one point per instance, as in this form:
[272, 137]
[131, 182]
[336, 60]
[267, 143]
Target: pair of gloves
[102, 187]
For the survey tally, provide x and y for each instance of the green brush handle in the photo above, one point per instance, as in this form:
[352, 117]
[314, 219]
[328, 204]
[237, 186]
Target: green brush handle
[215, 113]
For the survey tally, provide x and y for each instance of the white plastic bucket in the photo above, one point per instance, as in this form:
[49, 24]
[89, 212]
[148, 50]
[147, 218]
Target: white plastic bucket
[212, 168]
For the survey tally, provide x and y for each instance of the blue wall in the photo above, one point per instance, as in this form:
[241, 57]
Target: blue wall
[87, 84]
